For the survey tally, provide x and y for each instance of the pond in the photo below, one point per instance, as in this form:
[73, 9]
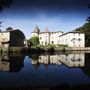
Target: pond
[45, 70]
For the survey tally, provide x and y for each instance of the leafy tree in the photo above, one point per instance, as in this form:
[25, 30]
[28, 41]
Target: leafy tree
[88, 19]
[86, 68]
[5, 4]
[9, 28]
[86, 30]
[34, 40]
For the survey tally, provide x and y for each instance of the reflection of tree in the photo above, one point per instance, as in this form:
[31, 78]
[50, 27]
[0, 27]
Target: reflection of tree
[34, 57]
[16, 63]
[86, 69]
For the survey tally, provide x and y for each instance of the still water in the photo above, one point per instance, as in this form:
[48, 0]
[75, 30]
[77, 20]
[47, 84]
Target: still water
[45, 70]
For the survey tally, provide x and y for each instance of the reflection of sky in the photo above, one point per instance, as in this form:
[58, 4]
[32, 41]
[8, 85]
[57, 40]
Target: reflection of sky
[53, 75]
[57, 15]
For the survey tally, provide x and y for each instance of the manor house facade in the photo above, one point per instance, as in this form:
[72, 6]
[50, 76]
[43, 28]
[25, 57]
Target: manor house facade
[71, 39]
[47, 37]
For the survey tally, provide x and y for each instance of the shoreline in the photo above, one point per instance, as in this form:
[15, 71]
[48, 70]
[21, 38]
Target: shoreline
[51, 50]
[42, 50]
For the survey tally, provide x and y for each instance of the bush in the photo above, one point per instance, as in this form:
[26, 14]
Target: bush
[50, 46]
[61, 45]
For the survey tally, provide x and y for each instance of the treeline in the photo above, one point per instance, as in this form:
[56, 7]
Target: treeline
[86, 30]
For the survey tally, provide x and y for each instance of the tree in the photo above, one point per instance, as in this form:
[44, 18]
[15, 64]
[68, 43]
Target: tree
[88, 19]
[86, 30]
[34, 40]
[89, 6]
[5, 4]
[9, 28]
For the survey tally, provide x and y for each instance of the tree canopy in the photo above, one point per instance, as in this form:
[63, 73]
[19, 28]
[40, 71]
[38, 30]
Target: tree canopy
[88, 19]
[86, 30]
[5, 4]
[9, 28]
[34, 40]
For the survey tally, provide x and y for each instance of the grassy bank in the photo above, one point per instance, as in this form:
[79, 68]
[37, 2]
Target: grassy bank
[38, 49]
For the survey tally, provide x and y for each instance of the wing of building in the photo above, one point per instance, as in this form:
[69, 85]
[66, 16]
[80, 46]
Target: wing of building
[73, 39]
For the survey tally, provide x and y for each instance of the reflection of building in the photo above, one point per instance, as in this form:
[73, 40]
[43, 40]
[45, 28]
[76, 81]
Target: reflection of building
[70, 60]
[11, 63]
[44, 59]
[4, 64]
[73, 60]
[55, 59]
[47, 59]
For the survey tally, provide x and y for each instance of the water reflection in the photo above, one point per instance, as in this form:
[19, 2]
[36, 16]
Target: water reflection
[11, 63]
[70, 60]
[45, 70]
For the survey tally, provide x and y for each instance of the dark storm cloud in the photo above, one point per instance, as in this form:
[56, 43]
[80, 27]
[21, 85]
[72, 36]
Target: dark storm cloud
[51, 4]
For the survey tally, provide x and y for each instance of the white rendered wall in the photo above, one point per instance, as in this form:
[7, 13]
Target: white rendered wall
[73, 40]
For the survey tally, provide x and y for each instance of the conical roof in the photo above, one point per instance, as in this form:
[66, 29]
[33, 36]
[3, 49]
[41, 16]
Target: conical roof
[46, 30]
[36, 30]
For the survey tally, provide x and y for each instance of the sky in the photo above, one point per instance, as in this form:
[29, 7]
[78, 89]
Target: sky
[56, 15]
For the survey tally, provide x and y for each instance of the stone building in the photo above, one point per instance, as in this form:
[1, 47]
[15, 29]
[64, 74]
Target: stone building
[11, 38]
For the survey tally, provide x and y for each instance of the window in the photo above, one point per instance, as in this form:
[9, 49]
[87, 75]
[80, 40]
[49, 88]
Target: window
[40, 58]
[52, 42]
[45, 43]
[46, 36]
[79, 34]
[73, 33]
[79, 39]
[40, 37]
[73, 39]
[42, 42]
